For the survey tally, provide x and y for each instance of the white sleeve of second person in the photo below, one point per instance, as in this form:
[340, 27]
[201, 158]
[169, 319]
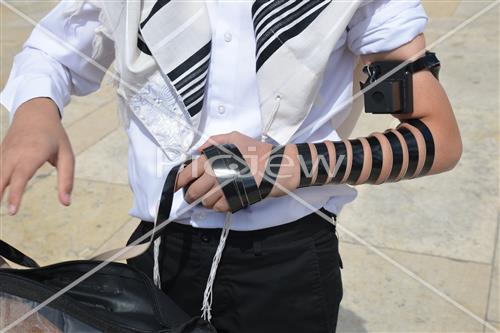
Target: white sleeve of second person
[58, 60]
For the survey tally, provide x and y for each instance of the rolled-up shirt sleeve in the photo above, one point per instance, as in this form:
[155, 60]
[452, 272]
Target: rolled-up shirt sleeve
[385, 25]
[59, 59]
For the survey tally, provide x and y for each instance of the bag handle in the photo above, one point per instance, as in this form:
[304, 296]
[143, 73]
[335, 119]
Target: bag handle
[10, 253]
[163, 210]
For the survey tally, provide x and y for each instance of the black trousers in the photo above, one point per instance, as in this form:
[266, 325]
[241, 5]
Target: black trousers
[281, 279]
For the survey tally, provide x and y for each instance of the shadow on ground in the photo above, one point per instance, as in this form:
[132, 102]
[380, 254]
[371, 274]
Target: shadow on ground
[350, 322]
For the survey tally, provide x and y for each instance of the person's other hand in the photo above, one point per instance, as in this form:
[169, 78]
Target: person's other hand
[35, 136]
[203, 185]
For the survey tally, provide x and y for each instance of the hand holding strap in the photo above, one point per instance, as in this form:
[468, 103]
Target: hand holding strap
[235, 177]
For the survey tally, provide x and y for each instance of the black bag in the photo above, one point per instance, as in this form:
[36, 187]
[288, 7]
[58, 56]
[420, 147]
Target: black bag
[115, 298]
[99, 296]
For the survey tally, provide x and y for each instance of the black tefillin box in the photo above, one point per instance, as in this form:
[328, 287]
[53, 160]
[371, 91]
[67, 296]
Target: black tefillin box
[392, 93]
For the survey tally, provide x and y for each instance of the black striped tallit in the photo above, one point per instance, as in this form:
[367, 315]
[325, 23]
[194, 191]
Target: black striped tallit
[280, 21]
[189, 77]
[140, 42]
[275, 22]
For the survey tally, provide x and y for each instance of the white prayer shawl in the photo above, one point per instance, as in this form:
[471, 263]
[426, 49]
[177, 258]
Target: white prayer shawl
[162, 54]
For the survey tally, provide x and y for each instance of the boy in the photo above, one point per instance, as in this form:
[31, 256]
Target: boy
[272, 73]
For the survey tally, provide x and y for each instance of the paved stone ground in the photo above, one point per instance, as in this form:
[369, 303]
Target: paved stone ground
[444, 229]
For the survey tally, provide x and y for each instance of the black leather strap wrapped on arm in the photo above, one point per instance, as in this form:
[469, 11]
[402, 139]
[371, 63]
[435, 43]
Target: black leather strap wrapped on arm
[235, 177]
[367, 163]
[272, 170]
[382, 157]
[226, 172]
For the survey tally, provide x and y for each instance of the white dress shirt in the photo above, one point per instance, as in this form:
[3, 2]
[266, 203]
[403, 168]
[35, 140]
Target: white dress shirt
[47, 68]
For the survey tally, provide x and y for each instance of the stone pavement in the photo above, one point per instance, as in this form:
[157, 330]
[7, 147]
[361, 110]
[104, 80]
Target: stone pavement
[442, 228]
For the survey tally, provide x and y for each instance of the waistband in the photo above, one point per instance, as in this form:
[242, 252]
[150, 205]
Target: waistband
[306, 226]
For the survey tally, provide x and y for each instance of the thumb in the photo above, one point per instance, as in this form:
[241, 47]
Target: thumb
[65, 174]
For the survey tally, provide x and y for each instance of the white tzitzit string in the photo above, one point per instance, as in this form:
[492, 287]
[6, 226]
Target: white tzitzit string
[207, 296]
[156, 267]
[265, 129]
[156, 250]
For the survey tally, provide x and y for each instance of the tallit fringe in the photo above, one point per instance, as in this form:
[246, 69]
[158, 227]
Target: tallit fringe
[206, 308]
[156, 266]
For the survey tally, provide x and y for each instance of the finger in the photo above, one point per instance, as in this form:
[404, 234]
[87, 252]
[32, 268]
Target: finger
[17, 185]
[191, 172]
[65, 174]
[221, 205]
[199, 188]
[215, 195]
[5, 175]
[219, 139]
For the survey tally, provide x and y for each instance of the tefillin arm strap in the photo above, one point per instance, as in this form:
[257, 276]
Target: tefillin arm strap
[351, 155]
[394, 155]
[235, 177]
[405, 152]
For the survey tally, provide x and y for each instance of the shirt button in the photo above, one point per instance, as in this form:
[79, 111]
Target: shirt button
[221, 109]
[204, 238]
[228, 37]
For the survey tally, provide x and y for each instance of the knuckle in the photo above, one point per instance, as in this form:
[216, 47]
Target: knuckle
[9, 156]
[18, 179]
[15, 192]
[194, 193]
[191, 195]
[32, 146]
[68, 156]
[208, 170]
[67, 184]
[219, 207]
[5, 150]
[217, 190]
[188, 197]
[14, 197]
[22, 171]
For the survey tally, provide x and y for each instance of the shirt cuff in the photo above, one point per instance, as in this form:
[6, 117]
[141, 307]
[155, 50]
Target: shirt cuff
[391, 26]
[29, 86]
